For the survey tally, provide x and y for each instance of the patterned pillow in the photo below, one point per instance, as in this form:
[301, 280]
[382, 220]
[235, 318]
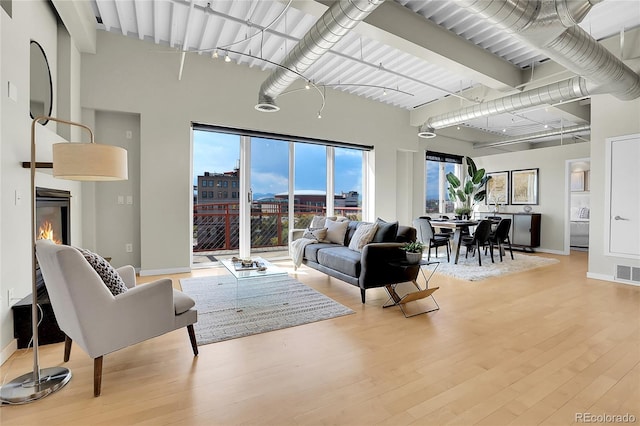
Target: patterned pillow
[363, 236]
[318, 234]
[109, 275]
[319, 221]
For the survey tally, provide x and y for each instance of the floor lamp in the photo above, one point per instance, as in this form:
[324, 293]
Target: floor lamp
[72, 161]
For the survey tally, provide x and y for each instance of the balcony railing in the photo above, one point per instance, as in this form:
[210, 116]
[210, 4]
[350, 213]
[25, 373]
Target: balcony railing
[216, 226]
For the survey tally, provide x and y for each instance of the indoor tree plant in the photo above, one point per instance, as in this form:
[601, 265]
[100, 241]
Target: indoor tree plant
[470, 190]
[413, 251]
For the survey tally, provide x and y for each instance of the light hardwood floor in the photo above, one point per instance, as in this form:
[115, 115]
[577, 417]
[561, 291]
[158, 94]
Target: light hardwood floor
[536, 347]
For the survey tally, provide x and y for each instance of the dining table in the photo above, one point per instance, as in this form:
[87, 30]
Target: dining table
[457, 226]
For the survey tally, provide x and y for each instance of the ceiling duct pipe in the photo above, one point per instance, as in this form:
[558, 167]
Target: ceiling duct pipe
[533, 136]
[328, 30]
[551, 27]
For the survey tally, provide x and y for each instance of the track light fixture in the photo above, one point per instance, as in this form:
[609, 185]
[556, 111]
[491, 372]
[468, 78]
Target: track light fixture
[227, 58]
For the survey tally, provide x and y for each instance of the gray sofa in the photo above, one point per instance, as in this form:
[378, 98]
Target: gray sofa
[367, 269]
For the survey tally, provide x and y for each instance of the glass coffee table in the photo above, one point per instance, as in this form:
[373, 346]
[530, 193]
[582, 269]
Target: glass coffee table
[255, 271]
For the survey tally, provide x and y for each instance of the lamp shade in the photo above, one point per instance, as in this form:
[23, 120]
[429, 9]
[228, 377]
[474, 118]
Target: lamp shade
[89, 161]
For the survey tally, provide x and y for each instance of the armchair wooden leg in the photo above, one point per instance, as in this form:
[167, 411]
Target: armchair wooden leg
[67, 347]
[97, 375]
[192, 337]
[362, 294]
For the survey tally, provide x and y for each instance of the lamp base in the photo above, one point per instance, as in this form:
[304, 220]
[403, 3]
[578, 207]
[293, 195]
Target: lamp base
[23, 389]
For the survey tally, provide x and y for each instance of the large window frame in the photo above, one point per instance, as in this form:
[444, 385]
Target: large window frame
[442, 160]
[245, 194]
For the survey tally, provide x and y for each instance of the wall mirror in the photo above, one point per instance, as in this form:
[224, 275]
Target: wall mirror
[40, 84]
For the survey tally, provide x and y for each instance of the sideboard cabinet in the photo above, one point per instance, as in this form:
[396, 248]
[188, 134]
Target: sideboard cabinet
[525, 228]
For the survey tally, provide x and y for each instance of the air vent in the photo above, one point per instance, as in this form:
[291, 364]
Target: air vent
[628, 273]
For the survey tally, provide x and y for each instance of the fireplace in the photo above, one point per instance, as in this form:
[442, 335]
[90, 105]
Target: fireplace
[53, 221]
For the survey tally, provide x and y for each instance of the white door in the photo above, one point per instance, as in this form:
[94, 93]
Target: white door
[624, 213]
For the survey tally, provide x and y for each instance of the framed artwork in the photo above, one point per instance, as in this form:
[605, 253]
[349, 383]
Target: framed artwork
[498, 188]
[524, 186]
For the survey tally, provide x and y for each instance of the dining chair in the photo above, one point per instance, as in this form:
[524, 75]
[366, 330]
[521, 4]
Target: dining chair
[427, 236]
[480, 238]
[501, 236]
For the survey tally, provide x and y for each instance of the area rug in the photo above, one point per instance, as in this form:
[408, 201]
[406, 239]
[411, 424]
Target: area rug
[468, 268]
[265, 305]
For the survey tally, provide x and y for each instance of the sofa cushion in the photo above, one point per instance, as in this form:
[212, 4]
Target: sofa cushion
[341, 259]
[363, 236]
[318, 234]
[336, 231]
[319, 221]
[386, 232]
[351, 230]
[181, 302]
[311, 251]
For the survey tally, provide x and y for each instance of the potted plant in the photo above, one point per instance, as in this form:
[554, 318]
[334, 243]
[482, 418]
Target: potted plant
[413, 251]
[470, 190]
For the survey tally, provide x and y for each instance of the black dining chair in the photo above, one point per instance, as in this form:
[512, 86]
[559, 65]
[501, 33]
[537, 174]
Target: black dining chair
[428, 238]
[501, 236]
[480, 238]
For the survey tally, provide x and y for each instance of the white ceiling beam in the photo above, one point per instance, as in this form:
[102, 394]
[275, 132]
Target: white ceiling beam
[138, 13]
[403, 29]
[185, 40]
[80, 21]
[172, 25]
[119, 14]
[156, 22]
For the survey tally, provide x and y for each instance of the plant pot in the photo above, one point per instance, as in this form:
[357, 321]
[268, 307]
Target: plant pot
[414, 257]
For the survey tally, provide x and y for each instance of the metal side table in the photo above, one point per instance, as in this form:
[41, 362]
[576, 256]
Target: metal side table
[396, 300]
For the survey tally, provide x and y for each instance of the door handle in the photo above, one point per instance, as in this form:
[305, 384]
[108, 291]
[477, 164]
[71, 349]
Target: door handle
[620, 218]
[250, 196]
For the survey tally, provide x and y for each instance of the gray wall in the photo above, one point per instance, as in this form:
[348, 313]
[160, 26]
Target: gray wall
[31, 20]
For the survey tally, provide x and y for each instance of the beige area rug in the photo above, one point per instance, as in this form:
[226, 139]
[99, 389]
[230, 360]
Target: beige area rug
[468, 268]
[260, 305]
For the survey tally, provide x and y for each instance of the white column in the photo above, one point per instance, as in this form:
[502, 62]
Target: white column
[245, 198]
[330, 180]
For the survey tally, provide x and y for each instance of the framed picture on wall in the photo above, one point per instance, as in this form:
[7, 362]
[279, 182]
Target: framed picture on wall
[524, 186]
[497, 188]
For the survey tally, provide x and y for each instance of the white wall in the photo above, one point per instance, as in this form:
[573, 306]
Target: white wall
[132, 76]
[553, 186]
[31, 20]
[610, 117]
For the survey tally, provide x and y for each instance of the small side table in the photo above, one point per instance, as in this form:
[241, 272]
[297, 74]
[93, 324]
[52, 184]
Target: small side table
[396, 300]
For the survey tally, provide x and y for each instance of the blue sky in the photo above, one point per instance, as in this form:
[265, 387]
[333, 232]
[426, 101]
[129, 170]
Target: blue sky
[218, 152]
[433, 178]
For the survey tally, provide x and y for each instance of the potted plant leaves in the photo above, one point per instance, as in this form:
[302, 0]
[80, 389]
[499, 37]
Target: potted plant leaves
[468, 191]
[413, 251]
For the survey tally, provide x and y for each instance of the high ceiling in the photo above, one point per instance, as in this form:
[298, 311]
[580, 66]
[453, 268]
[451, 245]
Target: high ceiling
[407, 53]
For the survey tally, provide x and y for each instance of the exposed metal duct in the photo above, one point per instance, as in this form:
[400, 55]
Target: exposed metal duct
[573, 88]
[533, 136]
[328, 30]
[549, 26]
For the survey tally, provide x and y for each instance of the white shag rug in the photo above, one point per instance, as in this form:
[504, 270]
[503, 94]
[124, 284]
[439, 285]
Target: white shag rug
[468, 268]
[263, 305]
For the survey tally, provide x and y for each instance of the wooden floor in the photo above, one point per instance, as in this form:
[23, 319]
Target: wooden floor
[538, 347]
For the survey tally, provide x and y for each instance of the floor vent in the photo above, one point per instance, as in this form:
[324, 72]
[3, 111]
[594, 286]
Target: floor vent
[628, 273]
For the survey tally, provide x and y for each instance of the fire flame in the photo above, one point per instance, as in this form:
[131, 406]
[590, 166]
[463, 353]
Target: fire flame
[45, 232]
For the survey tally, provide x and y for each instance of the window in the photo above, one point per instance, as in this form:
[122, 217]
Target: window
[234, 184]
[210, 194]
[225, 184]
[204, 194]
[436, 195]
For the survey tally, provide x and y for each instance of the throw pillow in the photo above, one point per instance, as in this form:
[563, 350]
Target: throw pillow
[336, 231]
[386, 232]
[319, 221]
[318, 234]
[109, 275]
[363, 236]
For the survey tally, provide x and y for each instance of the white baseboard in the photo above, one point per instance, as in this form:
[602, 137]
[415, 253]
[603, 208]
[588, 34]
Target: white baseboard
[604, 277]
[144, 273]
[544, 250]
[8, 350]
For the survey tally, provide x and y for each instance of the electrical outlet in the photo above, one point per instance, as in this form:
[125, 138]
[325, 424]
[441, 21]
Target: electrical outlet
[10, 297]
[129, 248]
[129, 199]
[128, 134]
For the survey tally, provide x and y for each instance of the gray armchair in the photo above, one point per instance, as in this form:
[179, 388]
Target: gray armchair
[100, 323]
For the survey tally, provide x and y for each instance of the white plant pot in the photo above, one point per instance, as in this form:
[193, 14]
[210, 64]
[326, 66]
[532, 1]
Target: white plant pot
[414, 257]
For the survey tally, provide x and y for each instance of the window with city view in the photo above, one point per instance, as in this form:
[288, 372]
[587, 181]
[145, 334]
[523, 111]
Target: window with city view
[217, 165]
[436, 194]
